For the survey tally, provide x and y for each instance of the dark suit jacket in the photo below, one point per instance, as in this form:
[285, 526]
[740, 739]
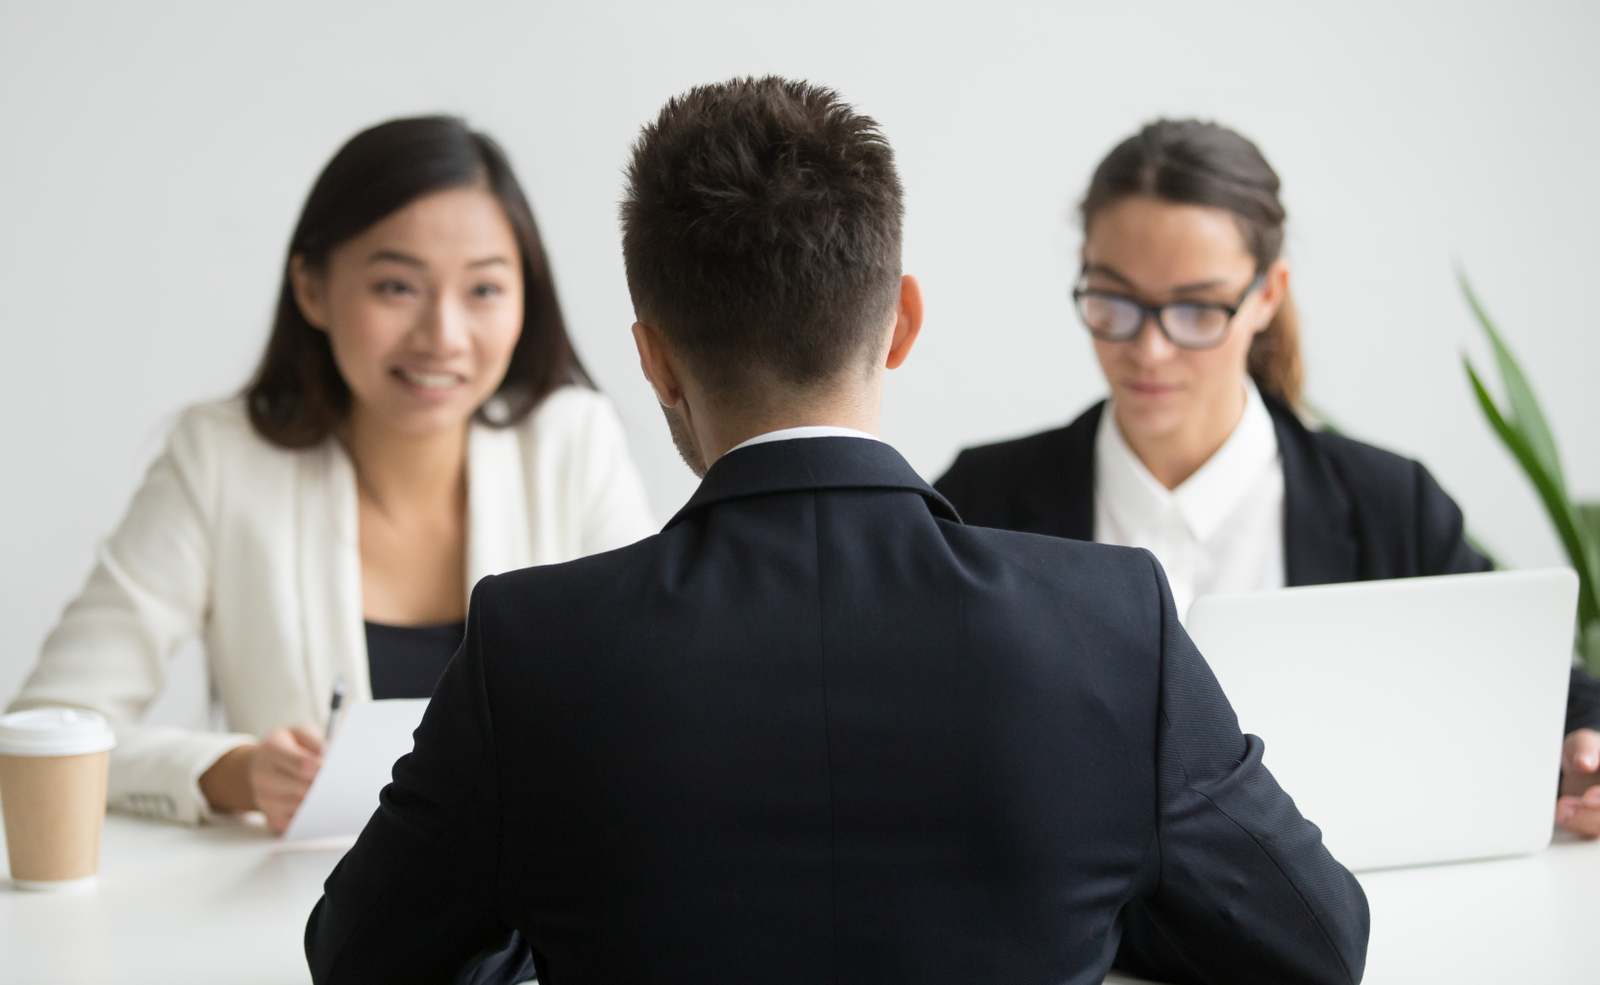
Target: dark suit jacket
[1352, 512]
[817, 730]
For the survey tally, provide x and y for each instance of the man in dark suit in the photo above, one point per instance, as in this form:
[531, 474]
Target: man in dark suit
[818, 730]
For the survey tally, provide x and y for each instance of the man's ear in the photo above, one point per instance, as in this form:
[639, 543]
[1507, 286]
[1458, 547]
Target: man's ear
[310, 292]
[655, 359]
[907, 322]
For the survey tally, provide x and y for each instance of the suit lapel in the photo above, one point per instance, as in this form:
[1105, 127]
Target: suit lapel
[497, 504]
[330, 576]
[1319, 538]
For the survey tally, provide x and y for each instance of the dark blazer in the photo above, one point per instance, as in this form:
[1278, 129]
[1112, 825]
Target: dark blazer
[1352, 512]
[817, 730]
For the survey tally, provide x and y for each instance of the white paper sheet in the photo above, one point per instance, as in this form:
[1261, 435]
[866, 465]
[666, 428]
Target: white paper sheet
[357, 765]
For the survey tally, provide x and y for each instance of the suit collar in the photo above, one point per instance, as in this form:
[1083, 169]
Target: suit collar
[810, 464]
[1319, 536]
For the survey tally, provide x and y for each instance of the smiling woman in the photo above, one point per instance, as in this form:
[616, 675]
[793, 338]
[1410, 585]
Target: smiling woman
[368, 215]
[419, 420]
[419, 316]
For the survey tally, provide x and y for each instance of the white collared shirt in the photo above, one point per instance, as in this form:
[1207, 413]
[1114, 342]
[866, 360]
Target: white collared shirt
[809, 431]
[1221, 530]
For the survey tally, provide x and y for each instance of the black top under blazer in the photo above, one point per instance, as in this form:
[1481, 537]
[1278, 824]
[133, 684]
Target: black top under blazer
[817, 730]
[1352, 512]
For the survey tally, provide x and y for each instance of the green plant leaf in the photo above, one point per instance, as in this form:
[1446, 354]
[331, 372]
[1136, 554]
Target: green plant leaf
[1586, 517]
[1589, 646]
[1554, 497]
[1526, 415]
[1527, 436]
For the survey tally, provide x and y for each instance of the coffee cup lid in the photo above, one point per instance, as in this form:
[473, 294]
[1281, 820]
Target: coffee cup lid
[54, 732]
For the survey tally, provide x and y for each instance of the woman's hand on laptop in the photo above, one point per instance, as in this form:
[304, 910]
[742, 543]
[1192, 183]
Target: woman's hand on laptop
[1578, 807]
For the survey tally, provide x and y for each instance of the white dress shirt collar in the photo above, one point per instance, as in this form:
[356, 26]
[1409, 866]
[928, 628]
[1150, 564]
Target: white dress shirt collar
[1135, 498]
[809, 431]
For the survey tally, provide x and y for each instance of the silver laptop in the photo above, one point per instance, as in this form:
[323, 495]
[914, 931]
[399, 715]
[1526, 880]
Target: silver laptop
[1417, 720]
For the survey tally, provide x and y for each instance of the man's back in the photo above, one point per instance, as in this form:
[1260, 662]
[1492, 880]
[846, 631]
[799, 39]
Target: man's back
[817, 731]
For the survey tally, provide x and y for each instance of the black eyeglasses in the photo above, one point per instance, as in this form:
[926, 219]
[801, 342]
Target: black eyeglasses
[1189, 324]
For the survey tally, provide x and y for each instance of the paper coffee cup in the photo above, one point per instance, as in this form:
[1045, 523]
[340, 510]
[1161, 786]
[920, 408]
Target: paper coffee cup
[53, 764]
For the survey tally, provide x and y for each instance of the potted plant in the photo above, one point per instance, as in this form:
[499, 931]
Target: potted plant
[1522, 429]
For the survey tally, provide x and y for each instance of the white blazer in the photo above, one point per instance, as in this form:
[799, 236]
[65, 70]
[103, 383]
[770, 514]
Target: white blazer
[253, 548]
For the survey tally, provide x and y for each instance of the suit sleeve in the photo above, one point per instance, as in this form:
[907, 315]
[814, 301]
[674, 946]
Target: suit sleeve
[415, 898]
[1246, 892]
[1446, 550]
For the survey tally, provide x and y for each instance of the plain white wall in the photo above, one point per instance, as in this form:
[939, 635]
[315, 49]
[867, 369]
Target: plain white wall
[155, 157]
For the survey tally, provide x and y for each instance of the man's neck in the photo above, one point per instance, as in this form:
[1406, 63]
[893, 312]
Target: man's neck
[720, 429]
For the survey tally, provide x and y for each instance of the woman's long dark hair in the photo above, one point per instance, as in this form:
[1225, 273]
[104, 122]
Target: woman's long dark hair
[1193, 163]
[297, 397]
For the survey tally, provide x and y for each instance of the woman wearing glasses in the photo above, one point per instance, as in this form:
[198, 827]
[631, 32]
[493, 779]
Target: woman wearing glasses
[1198, 454]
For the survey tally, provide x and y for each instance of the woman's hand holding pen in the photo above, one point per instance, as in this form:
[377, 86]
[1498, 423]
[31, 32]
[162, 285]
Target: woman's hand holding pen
[282, 769]
[271, 776]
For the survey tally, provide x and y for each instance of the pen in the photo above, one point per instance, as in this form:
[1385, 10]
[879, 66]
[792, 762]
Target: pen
[334, 704]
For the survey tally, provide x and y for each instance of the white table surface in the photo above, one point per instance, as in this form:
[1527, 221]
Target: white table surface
[228, 903]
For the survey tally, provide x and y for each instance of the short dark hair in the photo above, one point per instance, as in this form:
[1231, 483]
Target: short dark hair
[1191, 162]
[297, 396]
[761, 231]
